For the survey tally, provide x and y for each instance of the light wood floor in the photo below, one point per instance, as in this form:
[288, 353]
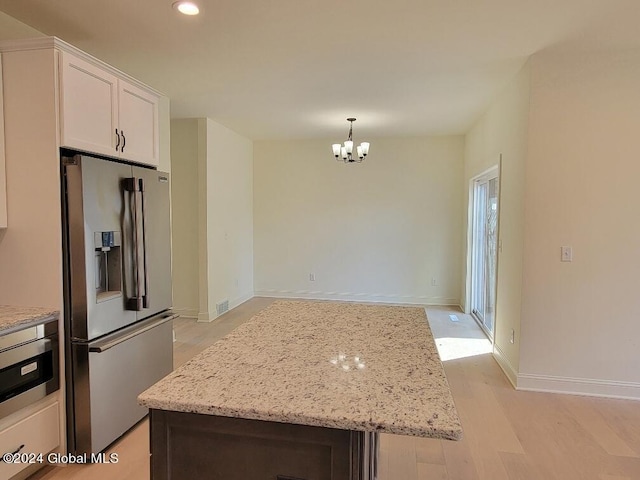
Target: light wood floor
[507, 434]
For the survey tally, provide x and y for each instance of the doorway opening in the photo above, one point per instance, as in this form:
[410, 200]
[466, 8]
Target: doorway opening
[483, 248]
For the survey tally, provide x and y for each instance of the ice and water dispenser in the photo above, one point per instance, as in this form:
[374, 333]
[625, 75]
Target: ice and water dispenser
[108, 269]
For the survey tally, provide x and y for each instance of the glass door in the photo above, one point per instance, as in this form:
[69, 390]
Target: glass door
[484, 250]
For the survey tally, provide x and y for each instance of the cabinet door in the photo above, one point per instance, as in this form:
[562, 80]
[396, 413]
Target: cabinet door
[38, 433]
[88, 107]
[138, 120]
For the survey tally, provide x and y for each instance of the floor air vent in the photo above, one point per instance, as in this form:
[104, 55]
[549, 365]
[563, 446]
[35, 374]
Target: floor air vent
[222, 307]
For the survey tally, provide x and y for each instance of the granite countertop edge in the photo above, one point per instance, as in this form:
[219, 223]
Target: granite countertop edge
[16, 318]
[301, 419]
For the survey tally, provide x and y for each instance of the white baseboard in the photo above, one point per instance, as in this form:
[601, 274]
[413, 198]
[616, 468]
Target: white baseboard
[579, 386]
[185, 312]
[505, 365]
[240, 300]
[206, 317]
[358, 297]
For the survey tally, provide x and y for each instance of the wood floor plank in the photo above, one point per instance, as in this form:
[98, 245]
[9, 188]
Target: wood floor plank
[623, 416]
[490, 418]
[484, 455]
[459, 461]
[401, 457]
[521, 467]
[429, 450]
[432, 471]
[602, 432]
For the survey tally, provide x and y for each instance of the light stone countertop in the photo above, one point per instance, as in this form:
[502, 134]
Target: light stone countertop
[13, 318]
[336, 365]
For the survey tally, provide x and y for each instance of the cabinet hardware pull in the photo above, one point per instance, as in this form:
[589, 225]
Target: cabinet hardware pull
[124, 141]
[15, 452]
[117, 144]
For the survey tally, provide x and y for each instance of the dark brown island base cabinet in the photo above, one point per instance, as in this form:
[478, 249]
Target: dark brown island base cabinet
[188, 446]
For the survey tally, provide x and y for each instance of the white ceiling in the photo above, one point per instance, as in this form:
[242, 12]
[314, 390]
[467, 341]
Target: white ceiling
[299, 68]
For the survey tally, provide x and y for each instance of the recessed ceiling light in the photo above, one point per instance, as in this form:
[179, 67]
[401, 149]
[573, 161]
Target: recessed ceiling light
[187, 8]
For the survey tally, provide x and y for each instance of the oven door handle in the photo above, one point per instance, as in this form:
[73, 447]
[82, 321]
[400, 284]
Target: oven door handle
[24, 352]
[111, 341]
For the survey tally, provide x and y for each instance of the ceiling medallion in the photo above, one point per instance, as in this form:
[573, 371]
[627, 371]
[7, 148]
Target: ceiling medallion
[345, 151]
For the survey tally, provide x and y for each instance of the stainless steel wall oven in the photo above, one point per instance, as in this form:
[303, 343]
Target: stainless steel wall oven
[29, 367]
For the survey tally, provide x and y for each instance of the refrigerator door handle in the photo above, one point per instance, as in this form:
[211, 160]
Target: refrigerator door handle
[145, 297]
[132, 185]
[116, 339]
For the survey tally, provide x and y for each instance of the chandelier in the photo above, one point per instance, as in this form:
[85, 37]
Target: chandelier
[346, 151]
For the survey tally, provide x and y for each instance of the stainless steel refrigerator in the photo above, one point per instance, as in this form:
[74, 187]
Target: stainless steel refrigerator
[117, 288]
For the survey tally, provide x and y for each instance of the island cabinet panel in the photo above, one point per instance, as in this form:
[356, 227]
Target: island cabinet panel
[185, 446]
[105, 114]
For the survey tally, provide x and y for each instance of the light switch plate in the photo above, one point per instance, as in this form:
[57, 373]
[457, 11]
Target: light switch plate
[566, 254]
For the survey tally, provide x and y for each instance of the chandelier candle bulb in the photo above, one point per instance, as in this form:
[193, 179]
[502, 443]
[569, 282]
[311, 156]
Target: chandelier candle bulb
[336, 149]
[348, 145]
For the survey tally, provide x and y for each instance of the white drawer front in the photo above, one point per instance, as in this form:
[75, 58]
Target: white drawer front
[39, 433]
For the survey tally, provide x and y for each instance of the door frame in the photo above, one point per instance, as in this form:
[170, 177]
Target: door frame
[489, 172]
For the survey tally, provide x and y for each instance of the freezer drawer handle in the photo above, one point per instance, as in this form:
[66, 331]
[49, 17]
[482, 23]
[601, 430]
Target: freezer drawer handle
[102, 347]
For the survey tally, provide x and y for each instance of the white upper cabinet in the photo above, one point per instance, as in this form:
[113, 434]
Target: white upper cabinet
[138, 120]
[105, 114]
[89, 107]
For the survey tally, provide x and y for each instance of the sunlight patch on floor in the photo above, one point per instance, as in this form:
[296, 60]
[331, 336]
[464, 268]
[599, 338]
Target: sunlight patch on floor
[454, 348]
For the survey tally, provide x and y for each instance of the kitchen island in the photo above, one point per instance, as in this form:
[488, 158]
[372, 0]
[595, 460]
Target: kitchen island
[301, 391]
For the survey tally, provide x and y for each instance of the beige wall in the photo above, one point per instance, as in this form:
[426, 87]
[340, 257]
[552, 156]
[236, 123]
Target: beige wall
[579, 320]
[502, 130]
[229, 216]
[12, 29]
[185, 214]
[30, 248]
[375, 231]
[212, 197]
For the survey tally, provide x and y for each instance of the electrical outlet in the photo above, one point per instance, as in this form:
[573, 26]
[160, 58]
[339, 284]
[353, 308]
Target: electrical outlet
[312, 277]
[513, 336]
